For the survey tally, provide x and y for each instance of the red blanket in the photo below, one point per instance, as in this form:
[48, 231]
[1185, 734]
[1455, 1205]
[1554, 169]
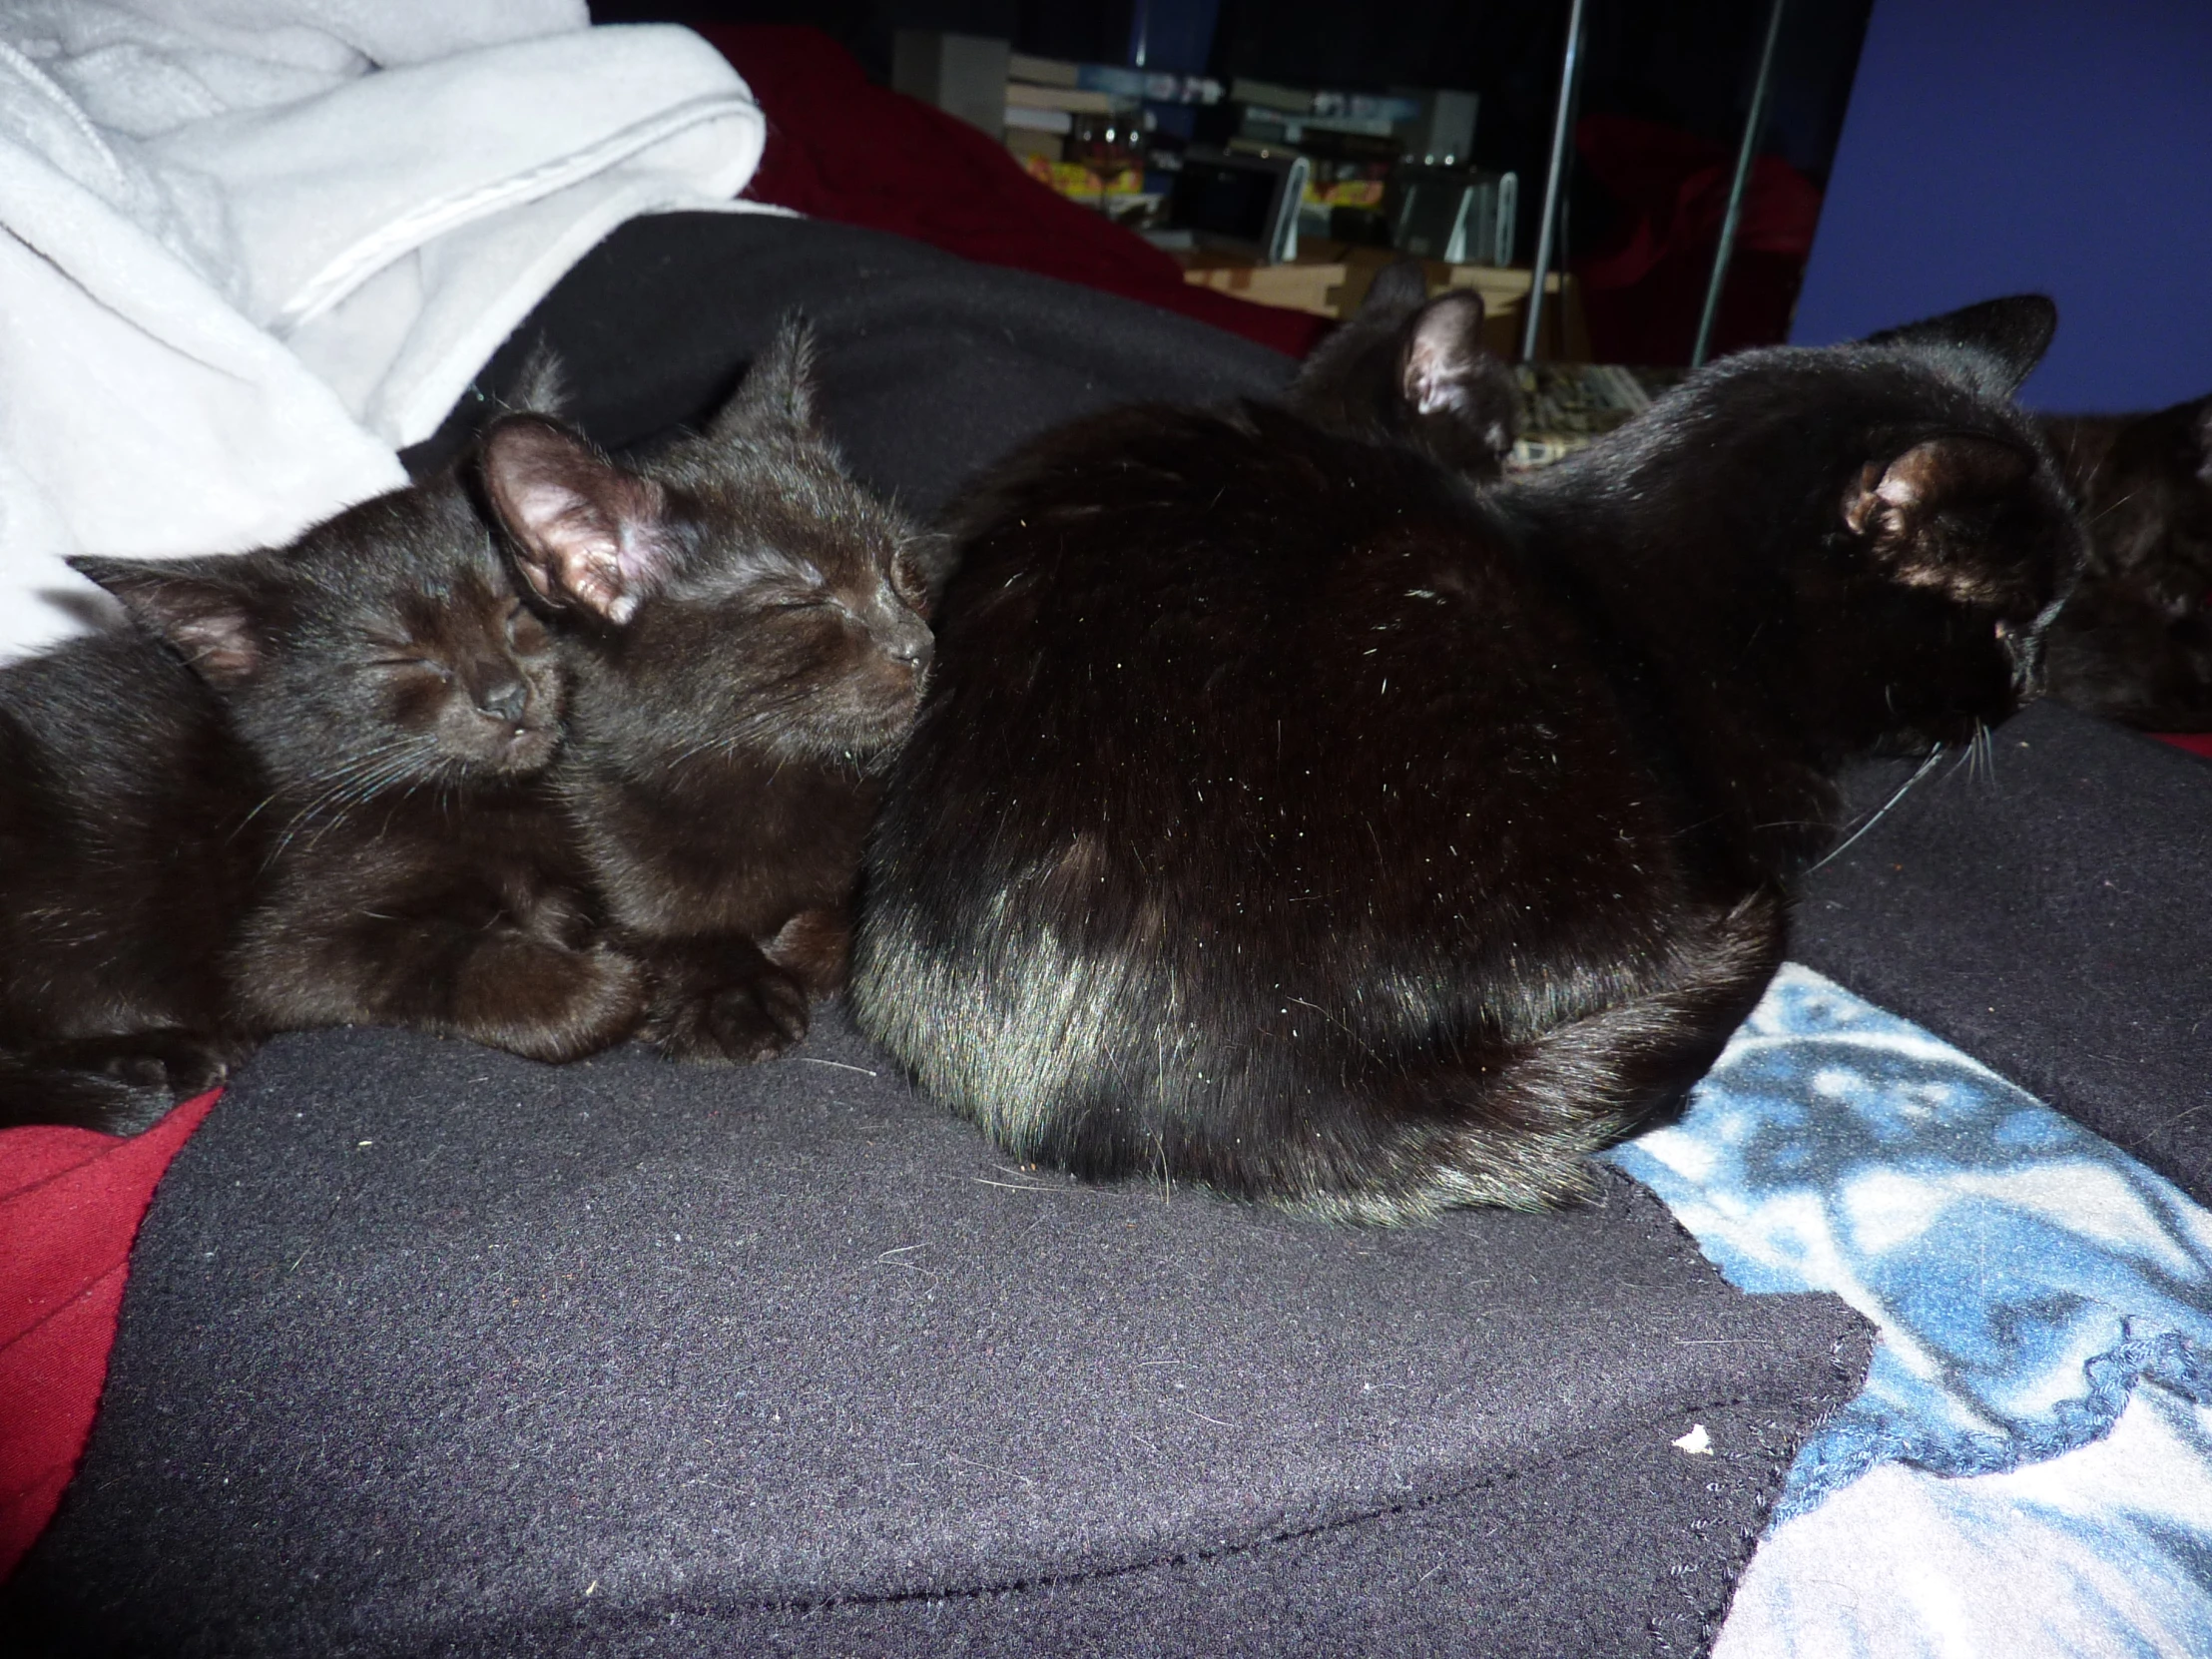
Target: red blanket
[70, 1204]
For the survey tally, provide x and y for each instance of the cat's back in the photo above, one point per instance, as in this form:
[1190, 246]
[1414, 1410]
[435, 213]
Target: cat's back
[1230, 654]
[1147, 566]
[110, 733]
[127, 838]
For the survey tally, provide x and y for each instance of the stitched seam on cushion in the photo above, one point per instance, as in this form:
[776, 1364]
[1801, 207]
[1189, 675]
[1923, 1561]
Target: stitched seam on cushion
[90, 1158]
[464, 1632]
[115, 1144]
[60, 1308]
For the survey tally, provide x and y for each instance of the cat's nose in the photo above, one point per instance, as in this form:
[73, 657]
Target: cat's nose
[504, 699]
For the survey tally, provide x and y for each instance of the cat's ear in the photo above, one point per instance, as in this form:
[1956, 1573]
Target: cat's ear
[1457, 393]
[778, 392]
[1892, 505]
[1444, 360]
[542, 385]
[586, 533]
[206, 608]
[1993, 346]
[1396, 292]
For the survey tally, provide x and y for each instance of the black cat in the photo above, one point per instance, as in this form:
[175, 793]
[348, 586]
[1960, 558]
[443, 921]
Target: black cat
[306, 789]
[749, 648]
[1290, 817]
[2136, 641]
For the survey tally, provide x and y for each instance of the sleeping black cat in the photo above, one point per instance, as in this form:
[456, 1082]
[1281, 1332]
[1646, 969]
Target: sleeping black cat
[751, 649]
[1289, 816]
[2136, 641]
[306, 789]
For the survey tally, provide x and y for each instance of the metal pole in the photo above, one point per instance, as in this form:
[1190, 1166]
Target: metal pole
[1563, 119]
[1726, 249]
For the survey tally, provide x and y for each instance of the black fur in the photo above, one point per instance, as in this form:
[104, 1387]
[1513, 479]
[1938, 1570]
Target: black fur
[2136, 641]
[1290, 817]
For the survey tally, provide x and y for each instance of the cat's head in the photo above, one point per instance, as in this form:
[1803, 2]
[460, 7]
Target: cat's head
[2149, 508]
[740, 592]
[388, 648]
[1884, 529]
[1414, 370]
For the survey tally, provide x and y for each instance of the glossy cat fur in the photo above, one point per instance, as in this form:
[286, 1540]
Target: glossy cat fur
[749, 649]
[2136, 641]
[1290, 817]
[305, 788]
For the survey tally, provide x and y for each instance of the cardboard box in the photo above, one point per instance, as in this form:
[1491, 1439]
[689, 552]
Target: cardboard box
[1329, 279]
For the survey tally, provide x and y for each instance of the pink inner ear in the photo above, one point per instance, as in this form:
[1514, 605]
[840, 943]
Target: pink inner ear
[220, 643]
[1910, 477]
[1443, 352]
[1956, 468]
[590, 533]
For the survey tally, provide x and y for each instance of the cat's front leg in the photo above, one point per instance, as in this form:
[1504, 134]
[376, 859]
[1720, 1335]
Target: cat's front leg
[545, 1000]
[494, 984]
[815, 948]
[718, 997]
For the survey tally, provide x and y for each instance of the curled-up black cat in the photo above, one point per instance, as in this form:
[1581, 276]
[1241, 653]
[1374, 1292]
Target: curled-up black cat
[2136, 641]
[1289, 816]
[306, 788]
[751, 645]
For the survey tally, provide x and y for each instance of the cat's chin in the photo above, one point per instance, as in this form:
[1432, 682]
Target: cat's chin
[519, 754]
[864, 758]
[866, 740]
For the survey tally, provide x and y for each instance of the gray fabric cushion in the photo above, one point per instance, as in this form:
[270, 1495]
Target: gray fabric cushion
[2048, 915]
[932, 367]
[432, 1350]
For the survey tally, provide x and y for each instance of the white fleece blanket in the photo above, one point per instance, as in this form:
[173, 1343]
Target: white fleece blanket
[254, 246]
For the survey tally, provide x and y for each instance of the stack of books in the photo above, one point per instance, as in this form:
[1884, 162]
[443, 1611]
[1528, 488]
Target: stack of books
[1378, 168]
[1083, 128]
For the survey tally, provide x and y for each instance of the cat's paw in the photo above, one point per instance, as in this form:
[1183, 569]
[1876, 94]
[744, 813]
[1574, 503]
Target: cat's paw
[756, 1017]
[546, 1003]
[118, 1085]
[182, 1063]
[63, 1096]
[113, 1105]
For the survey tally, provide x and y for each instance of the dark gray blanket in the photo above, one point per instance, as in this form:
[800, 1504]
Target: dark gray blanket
[2048, 917]
[429, 1350]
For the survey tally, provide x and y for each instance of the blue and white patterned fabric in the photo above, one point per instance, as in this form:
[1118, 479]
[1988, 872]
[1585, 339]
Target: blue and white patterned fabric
[2030, 1279]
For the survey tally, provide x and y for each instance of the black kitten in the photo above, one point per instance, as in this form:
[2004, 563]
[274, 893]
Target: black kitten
[304, 789]
[1289, 816]
[752, 647]
[2136, 641]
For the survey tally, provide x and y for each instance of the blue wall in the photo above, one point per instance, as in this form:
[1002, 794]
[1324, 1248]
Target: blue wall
[1995, 146]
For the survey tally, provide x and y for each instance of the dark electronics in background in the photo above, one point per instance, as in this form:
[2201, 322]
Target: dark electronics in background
[1686, 63]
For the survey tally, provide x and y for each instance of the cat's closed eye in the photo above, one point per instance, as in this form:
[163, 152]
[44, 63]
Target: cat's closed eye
[405, 656]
